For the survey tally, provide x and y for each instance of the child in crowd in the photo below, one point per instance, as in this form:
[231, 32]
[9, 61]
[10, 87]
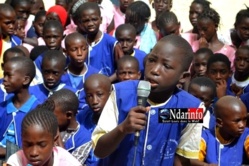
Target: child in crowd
[207, 24]
[126, 36]
[239, 35]
[167, 23]
[37, 26]
[18, 74]
[138, 14]
[128, 69]
[227, 144]
[75, 137]
[119, 12]
[53, 67]
[219, 70]
[116, 140]
[199, 64]
[8, 54]
[7, 24]
[104, 45]
[204, 89]
[19, 28]
[240, 78]
[97, 88]
[160, 6]
[36, 6]
[52, 35]
[196, 8]
[39, 136]
[58, 13]
[22, 9]
[77, 70]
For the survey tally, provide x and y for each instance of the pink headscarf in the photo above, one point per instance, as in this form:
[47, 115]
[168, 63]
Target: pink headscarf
[60, 11]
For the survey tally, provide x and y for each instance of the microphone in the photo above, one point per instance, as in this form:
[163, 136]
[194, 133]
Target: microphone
[143, 91]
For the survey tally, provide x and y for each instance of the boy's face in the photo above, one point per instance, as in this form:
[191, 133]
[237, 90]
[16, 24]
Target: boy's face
[77, 50]
[128, 71]
[37, 145]
[234, 121]
[195, 10]
[162, 5]
[61, 117]
[241, 62]
[36, 6]
[169, 29]
[52, 72]
[162, 67]
[38, 25]
[127, 40]
[243, 29]
[200, 64]
[90, 21]
[203, 93]
[13, 78]
[52, 38]
[218, 71]
[97, 94]
[125, 3]
[23, 10]
[7, 23]
[19, 29]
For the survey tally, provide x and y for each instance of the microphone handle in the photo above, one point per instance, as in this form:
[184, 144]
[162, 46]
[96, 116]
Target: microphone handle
[141, 101]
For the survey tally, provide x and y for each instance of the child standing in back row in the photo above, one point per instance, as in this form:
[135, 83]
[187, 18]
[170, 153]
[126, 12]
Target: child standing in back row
[115, 140]
[104, 45]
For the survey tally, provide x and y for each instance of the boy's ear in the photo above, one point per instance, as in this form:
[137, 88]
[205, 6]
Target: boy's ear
[2, 65]
[69, 114]
[27, 80]
[101, 20]
[219, 122]
[153, 5]
[139, 75]
[135, 43]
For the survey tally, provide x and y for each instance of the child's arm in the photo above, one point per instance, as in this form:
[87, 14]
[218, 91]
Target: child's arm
[135, 121]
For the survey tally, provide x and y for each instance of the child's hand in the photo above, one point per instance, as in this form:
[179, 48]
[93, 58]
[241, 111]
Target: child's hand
[135, 120]
[221, 87]
[236, 90]
[203, 43]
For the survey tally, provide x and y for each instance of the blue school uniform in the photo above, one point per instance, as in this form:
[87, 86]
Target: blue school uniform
[103, 59]
[85, 118]
[223, 155]
[9, 114]
[245, 99]
[140, 55]
[15, 40]
[42, 93]
[158, 142]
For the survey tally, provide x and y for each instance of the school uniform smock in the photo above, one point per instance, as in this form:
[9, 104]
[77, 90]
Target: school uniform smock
[103, 56]
[78, 143]
[233, 153]
[42, 92]
[9, 115]
[158, 142]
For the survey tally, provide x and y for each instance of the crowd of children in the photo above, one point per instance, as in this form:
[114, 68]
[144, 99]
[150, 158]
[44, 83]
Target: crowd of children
[69, 78]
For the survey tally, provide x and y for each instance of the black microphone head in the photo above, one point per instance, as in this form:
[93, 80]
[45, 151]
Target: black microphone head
[143, 89]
